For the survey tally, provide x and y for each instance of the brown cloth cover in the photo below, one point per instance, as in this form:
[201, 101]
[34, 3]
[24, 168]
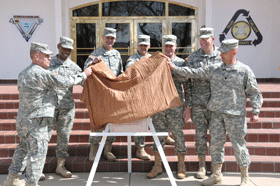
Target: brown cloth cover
[144, 89]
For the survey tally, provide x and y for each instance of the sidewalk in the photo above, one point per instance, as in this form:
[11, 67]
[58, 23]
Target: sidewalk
[139, 179]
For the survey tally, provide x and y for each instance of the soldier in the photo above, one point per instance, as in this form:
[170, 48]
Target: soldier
[142, 50]
[65, 109]
[206, 55]
[231, 82]
[171, 119]
[143, 46]
[112, 59]
[36, 110]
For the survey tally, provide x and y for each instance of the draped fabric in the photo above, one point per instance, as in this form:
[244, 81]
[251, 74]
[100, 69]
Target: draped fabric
[144, 89]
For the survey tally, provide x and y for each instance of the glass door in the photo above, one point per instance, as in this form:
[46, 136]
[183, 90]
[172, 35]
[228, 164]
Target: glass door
[155, 28]
[186, 35]
[86, 39]
[130, 19]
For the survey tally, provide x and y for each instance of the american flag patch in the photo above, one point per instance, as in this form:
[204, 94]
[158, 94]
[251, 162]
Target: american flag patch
[91, 56]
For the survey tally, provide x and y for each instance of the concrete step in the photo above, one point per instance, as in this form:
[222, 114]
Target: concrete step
[81, 164]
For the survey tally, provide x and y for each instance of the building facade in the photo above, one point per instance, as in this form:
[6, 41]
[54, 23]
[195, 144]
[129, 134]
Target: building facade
[253, 22]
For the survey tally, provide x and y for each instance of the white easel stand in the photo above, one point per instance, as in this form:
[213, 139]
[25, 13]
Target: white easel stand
[129, 134]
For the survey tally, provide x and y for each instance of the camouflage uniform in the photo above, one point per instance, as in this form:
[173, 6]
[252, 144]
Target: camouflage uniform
[138, 140]
[132, 59]
[172, 119]
[65, 108]
[200, 96]
[230, 85]
[36, 109]
[113, 60]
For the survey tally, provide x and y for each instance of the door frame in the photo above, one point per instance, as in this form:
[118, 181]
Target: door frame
[100, 22]
[118, 20]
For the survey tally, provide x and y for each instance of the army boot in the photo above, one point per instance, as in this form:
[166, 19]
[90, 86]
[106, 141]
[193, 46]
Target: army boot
[142, 154]
[169, 140]
[43, 177]
[244, 176]
[216, 177]
[181, 174]
[61, 170]
[157, 169]
[202, 167]
[92, 152]
[12, 180]
[107, 152]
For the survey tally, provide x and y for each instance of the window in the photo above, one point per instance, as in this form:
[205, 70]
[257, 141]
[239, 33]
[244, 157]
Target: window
[131, 18]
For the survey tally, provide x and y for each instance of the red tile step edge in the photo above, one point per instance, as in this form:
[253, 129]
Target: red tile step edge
[14, 104]
[120, 149]
[83, 113]
[253, 135]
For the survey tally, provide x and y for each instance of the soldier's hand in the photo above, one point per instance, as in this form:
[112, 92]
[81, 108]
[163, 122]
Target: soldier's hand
[170, 64]
[187, 113]
[88, 71]
[254, 118]
[96, 60]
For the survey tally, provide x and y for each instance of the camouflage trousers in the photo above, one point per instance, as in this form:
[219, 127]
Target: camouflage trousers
[63, 120]
[94, 140]
[32, 148]
[171, 120]
[139, 141]
[236, 128]
[201, 118]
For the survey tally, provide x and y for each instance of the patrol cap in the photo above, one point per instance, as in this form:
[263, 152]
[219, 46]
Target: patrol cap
[169, 40]
[206, 33]
[143, 40]
[110, 32]
[44, 48]
[66, 42]
[228, 44]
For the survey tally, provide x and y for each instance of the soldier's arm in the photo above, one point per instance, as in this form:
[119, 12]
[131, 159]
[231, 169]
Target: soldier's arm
[120, 65]
[128, 63]
[91, 60]
[187, 86]
[78, 70]
[54, 80]
[203, 72]
[88, 62]
[251, 89]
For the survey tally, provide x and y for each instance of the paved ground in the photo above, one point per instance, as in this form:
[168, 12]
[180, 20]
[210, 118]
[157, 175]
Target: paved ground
[139, 179]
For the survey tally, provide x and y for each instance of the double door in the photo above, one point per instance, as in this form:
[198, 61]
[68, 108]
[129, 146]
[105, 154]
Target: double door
[87, 34]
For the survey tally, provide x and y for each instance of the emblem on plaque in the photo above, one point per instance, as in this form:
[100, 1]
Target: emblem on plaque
[26, 25]
[241, 30]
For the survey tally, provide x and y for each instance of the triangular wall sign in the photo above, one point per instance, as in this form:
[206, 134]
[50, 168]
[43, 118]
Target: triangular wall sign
[26, 24]
[241, 30]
